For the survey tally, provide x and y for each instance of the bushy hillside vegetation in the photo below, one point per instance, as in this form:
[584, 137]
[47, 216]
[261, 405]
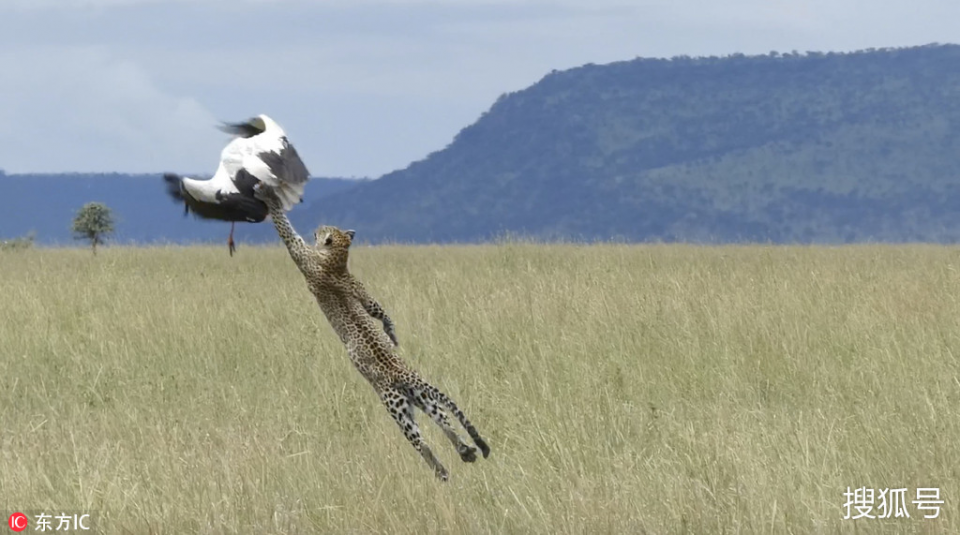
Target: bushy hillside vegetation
[792, 147]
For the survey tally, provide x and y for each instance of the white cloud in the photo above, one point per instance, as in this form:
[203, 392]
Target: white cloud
[83, 110]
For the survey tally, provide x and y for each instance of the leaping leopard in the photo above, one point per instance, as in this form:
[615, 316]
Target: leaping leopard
[350, 310]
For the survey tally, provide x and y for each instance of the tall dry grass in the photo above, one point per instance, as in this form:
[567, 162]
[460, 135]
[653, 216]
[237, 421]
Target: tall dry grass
[623, 389]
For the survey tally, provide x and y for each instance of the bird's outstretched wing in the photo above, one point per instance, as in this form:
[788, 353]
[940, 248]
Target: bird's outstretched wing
[278, 165]
[285, 163]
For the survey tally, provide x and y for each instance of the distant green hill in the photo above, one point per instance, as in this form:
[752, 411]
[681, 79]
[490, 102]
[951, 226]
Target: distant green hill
[785, 148]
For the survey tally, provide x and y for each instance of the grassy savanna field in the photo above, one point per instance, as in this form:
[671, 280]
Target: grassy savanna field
[623, 389]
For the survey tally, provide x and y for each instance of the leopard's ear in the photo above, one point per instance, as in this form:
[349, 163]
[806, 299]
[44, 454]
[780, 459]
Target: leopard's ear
[350, 233]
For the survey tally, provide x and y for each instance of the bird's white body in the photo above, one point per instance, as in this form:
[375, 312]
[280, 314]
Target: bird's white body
[245, 153]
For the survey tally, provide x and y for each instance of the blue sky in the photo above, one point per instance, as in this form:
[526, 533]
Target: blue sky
[363, 87]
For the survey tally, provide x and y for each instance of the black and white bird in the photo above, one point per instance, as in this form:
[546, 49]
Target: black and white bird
[259, 153]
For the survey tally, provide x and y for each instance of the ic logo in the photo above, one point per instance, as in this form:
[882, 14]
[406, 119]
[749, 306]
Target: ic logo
[17, 522]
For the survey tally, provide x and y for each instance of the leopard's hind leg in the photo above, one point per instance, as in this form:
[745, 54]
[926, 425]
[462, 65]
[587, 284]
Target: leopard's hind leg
[422, 399]
[399, 406]
[425, 391]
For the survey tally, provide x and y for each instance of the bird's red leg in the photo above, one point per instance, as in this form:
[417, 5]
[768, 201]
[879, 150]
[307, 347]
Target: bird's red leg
[230, 243]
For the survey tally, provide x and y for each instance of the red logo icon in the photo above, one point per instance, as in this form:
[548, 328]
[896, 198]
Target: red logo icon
[18, 521]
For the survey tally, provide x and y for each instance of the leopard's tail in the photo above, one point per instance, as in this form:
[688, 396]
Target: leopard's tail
[471, 430]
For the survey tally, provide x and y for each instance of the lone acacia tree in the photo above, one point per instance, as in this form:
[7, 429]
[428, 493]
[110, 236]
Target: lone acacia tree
[94, 222]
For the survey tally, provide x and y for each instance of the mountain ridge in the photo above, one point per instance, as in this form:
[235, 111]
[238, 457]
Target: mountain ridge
[642, 150]
[783, 148]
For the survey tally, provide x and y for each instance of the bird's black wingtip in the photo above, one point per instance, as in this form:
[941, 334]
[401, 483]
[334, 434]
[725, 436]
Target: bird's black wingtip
[174, 186]
[246, 129]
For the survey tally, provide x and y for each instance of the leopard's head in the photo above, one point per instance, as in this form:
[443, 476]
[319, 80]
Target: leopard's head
[333, 245]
